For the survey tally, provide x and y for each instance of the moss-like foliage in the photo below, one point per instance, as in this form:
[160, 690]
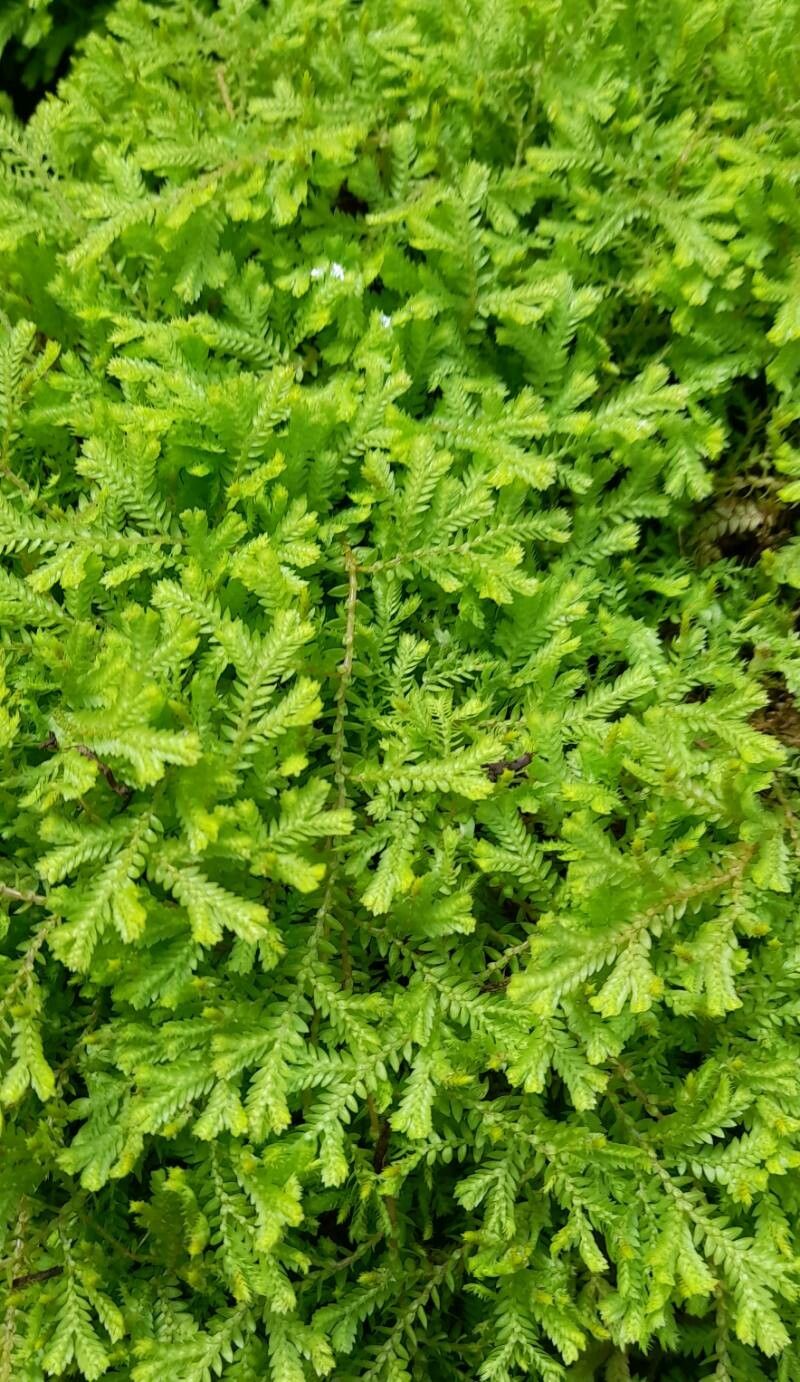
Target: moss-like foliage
[398, 814]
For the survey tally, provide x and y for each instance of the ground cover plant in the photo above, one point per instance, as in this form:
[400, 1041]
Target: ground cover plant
[400, 956]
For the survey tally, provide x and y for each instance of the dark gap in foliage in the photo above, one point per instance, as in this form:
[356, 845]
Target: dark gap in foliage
[641, 330]
[687, 1061]
[668, 630]
[154, 182]
[614, 481]
[28, 74]
[348, 203]
[745, 517]
[650, 1366]
[330, 1227]
[534, 827]
[755, 392]
[741, 527]
[698, 695]
[498, 1085]
[420, 405]
[540, 211]
[781, 716]
[25, 98]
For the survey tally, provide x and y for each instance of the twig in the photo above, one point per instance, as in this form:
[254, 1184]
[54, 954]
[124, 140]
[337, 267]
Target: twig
[224, 92]
[22, 895]
[33, 1278]
[381, 1131]
[339, 742]
[120, 788]
[382, 1145]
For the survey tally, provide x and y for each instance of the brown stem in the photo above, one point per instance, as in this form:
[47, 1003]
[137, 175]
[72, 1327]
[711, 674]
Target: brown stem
[381, 1132]
[374, 1120]
[33, 1278]
[382, 1145]
[120, 788]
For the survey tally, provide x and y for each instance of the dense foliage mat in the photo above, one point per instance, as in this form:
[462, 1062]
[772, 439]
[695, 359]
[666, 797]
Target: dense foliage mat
[399, 413]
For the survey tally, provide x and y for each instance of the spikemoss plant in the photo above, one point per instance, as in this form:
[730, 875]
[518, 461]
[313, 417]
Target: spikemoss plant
[399, 414]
